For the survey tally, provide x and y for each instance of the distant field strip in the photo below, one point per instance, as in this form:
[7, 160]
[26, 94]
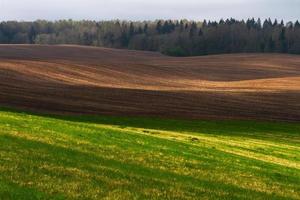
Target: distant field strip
[48, 157]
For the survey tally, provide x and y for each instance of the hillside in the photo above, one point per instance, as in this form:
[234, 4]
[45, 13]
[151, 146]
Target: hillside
[51, 157]
[88, 80]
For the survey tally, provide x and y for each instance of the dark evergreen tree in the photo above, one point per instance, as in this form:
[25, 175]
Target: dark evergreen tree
[145, 28]
[32, 34]
[297, 24]
[258, 24]
[200, 33]
[271, 45]
[159, 26]
[124, 39]
[283, 42]
[131, 30]
[193, 30]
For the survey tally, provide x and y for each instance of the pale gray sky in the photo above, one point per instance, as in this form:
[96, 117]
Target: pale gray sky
[148, 10]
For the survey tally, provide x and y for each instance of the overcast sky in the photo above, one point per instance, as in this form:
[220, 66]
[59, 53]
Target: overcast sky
[148, 9]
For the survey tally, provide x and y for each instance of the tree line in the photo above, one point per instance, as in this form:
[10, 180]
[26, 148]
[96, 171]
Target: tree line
[171, 37]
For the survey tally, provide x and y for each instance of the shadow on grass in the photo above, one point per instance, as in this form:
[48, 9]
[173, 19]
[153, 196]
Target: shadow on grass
[220, 127]
[13, 191]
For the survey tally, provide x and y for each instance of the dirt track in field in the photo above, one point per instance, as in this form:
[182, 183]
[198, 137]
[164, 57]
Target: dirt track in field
[88, 80]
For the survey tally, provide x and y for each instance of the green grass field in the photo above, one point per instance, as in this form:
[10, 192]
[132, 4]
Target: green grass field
[44, 157]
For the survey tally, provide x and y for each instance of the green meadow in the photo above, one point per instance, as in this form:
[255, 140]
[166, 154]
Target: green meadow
[52, 157]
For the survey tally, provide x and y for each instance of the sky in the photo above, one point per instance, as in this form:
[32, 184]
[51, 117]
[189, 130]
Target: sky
[28, 10]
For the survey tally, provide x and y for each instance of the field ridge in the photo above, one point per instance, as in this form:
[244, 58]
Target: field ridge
[68, 79]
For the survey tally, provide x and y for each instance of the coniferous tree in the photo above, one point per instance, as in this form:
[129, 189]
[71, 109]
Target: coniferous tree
[159, 26]
[283, 42]
[271, 45]
[32, 34]
[131, 30]
[145, 28]
[193, 30]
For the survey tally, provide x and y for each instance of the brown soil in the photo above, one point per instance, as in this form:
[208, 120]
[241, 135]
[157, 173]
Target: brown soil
[88, 80]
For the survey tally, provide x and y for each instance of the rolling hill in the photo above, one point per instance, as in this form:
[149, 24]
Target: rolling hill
[96, 123]
[88, 157]
[90, 80]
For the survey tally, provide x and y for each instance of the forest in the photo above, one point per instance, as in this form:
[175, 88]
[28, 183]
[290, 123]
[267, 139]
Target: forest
[170, 37]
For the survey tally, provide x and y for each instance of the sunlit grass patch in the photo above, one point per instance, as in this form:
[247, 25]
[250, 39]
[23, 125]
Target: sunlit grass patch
[50, 157]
